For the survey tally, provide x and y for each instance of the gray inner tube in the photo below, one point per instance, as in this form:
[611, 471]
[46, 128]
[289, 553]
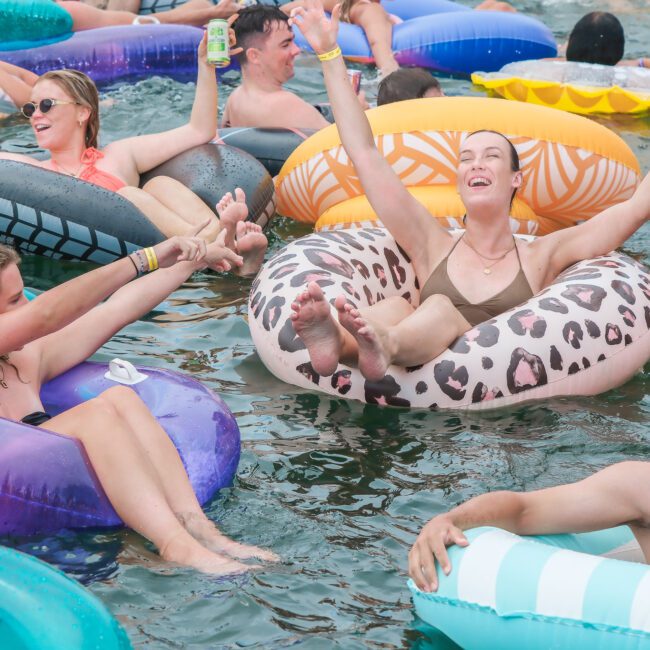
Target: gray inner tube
[46, 213]
[271, 147]
[211, 170]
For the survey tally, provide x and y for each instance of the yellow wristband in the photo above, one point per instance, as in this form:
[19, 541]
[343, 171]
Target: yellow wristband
[152, 260]
[332, 54]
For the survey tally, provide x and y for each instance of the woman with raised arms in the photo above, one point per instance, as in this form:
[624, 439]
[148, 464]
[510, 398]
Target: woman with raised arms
[466, 277]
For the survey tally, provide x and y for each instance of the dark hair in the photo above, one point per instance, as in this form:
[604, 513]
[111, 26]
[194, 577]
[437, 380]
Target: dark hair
[405, 83]
[596, 38]
[254, 24]
[515, 165]
[81, 88]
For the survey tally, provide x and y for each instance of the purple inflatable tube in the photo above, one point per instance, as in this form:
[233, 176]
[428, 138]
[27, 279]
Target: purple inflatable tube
[46, 480]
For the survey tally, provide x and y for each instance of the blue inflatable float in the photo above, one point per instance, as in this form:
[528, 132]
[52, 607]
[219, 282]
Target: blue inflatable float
[111, 54]
[451, 38]
[40, 607]
[507, 592]
[46, 480]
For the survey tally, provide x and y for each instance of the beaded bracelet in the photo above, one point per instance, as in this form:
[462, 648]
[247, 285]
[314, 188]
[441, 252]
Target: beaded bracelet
[332, 54]
[140, 262]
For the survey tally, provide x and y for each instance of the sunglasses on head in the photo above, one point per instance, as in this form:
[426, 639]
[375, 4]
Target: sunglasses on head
[44, 106]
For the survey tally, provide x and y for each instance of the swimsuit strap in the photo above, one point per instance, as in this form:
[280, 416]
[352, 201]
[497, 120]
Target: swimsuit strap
[452, 249]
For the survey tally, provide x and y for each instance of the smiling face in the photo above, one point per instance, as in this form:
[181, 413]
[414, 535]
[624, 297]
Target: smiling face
[60, 125]
[485, 175]
[277, 52]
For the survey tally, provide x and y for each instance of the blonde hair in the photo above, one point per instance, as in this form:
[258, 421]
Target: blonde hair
[8, 256]
[82, 90]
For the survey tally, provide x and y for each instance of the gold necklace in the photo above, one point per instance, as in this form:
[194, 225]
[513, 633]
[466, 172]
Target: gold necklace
[494, 260]
[60, 168]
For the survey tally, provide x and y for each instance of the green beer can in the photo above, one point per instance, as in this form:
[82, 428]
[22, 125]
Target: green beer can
[218, 43]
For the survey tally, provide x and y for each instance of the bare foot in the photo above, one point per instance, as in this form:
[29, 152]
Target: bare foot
[231, 211]
[204, 531]
[251, 244]
[186, 551]
[314, 324]
[373, 341]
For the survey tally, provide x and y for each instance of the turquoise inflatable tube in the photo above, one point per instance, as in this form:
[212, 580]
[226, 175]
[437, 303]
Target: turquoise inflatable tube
[40, 607]
[507, 592]
[22, 22]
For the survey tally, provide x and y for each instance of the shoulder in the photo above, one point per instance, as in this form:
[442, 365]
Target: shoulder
[18, 157]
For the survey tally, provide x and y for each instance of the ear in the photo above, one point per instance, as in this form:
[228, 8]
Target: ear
[253, 55]
[83, 113]
[518, 179]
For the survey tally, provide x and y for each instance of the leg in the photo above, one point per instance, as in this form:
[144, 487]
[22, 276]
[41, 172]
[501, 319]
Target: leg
[194, 12]
[175, 484]
[327, 341]
[167, 221]
[416, 339]
[132, 484]
[115, 5]
[375, 22]
[184, 203]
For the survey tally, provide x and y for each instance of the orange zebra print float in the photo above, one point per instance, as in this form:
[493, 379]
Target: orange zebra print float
[573, 168]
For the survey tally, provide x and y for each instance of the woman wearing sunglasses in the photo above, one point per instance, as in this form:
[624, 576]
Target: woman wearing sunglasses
[64, 115]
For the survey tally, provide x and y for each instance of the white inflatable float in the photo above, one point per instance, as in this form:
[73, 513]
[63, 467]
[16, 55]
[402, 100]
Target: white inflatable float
[586, 333]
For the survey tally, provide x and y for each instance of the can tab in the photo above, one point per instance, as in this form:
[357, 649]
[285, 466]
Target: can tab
[123, 372]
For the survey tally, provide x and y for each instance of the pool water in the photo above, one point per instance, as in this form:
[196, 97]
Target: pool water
[338, 489]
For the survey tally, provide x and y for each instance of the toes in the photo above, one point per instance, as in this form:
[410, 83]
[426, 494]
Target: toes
[240, 196]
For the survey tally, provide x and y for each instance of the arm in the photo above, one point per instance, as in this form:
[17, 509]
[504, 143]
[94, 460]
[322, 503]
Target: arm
[597, 236]
[69, 346]
[619, 494]
[419, 235]
[147, 151]
[16, 82]
[61, 305]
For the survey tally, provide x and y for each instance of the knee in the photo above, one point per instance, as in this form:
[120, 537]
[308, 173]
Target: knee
[158, 183]
[438, 301]
[100, 408]
[120, 397]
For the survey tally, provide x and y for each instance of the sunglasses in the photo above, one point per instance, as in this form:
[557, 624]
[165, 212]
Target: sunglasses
[44, 106]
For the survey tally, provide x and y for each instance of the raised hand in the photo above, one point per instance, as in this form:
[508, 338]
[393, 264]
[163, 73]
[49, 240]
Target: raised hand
[232, 39]
[219, 257]
[319, 31]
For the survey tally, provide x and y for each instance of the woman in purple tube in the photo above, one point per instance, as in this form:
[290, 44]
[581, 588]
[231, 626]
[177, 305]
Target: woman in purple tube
[134, 459]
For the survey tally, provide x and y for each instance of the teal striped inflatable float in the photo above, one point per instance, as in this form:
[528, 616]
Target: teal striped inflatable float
[507, 592]
[40, 607]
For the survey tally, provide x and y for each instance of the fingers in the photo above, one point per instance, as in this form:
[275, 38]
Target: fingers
[221, 237]
[336, 16]
[232, 19]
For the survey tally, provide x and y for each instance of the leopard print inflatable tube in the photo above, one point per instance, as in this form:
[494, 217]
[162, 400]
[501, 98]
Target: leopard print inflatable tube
[584, 334]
